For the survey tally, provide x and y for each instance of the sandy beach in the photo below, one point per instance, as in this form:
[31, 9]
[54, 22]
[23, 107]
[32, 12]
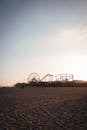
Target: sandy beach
[62, 108]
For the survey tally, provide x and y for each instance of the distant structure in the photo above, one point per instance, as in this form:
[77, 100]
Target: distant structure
[65, 77]
[47, 78]
[35, 78]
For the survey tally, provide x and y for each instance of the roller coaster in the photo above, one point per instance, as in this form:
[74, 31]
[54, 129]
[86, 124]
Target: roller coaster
[49, 78]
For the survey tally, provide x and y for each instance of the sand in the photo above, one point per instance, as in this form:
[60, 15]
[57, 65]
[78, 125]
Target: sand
[62, 108]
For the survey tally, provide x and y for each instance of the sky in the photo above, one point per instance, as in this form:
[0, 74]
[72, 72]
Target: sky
[43, 36]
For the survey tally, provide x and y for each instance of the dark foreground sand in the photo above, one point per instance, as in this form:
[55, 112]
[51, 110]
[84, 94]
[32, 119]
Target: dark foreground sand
[43, 108]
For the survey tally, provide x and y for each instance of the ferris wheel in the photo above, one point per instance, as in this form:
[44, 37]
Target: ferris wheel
[33, 77]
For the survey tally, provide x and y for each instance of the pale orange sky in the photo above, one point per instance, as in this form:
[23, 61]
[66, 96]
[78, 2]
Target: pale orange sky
[43, 37]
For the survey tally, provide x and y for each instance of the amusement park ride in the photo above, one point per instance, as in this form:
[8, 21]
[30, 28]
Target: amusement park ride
[60, 80]
[35, 78]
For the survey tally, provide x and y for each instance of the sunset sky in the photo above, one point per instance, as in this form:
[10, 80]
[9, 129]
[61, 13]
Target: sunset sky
[43, 36]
